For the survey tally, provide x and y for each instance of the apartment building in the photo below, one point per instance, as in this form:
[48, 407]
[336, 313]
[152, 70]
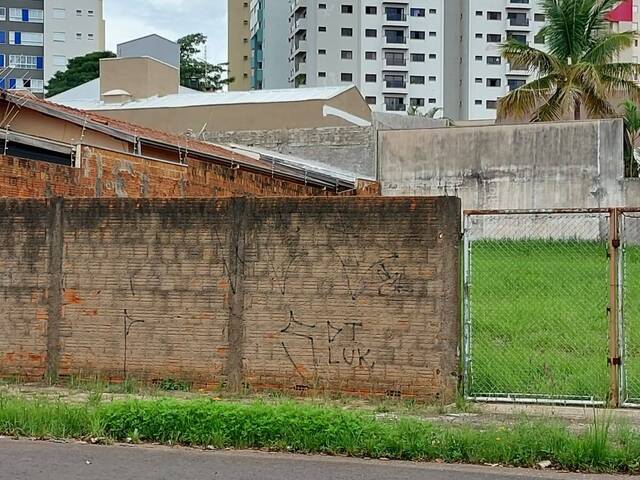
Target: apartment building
[38, 37]
[72, 28]
[396, 52]
[239, 46]
[269, 25]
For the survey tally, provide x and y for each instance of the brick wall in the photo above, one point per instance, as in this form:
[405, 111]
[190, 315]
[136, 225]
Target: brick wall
[107, 174]
[347, 294]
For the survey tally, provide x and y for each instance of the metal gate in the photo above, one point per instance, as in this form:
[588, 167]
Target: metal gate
[541, 322]
[630, 306]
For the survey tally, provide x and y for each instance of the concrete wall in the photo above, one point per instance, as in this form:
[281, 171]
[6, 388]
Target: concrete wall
[348, 148]
[352, 295]
[575, 164]
[153, 46]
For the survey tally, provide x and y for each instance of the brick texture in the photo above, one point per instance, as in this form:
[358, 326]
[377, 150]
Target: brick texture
[107, 174]
[356, 295]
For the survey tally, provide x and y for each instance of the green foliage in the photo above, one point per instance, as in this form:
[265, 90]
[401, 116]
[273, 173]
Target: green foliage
[578, 71]
[197, 73]
[79, 70]
[304, 428]
[632, 132]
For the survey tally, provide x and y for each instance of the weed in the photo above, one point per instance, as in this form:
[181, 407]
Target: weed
[310, 428]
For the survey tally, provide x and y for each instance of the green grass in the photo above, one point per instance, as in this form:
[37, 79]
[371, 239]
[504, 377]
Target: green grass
[539, 318]
[295, 427]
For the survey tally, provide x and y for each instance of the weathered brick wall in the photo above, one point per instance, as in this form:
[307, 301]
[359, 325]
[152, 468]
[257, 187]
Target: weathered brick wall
[346, 294]
[24, 287]
[107, 174]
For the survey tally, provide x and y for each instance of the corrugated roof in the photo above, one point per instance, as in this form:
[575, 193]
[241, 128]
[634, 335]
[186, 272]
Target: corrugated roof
[208, 99]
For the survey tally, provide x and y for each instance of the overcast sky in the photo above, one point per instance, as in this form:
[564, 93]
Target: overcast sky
[129, 19]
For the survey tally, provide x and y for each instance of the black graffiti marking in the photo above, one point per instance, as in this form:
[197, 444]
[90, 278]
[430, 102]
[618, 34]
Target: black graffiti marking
[353, 326]
[337, 331]
[289, 330]
[295, 366]
[392, 281]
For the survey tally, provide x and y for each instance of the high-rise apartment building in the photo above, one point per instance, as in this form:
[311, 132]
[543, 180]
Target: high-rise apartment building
[269, 26]
[239, 46]
[406, 54]
[396, 52]
[38, 37]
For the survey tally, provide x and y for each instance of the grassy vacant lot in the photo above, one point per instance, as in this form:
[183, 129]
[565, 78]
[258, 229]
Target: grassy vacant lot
[539, 318]
[306, 428]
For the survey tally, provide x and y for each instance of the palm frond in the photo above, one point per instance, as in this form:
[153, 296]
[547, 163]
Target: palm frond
[524, 100]
[607, 47]
[557, 106]
[528, 57]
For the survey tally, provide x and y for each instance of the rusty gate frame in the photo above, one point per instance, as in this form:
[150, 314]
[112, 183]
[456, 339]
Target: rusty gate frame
[615, 309]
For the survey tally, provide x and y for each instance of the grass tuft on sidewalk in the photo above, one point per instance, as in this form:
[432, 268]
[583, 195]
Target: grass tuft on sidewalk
[295, 427]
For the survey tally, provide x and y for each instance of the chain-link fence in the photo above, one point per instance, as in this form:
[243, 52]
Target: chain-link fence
[630, 235]
[536, 299]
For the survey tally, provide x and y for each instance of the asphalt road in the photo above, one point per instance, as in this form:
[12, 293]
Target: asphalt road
[76, 461]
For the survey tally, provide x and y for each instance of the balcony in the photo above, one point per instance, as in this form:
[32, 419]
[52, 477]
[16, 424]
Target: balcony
[395, 42]
[299, 48]
[391, 84]
[519, 22]
[519, 4]
[395, 107]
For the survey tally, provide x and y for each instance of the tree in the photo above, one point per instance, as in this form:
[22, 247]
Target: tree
[578, 73]
[632, 134]
[196, 73]
[414, 111]
[79, 70]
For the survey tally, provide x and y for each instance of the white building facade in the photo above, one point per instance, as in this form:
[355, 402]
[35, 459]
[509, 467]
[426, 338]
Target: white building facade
[421, 54]
[72, 28]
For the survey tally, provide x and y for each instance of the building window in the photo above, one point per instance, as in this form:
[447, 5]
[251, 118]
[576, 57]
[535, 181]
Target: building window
[59, 61]
[347, 8]
[371, 11]
[417, 35]
[79, 13]
[494, 82]
[417, 12]
[26, 38]
[432, 100]
[432, 34]
[371, 33]
[322, 74]
[494, 37]
[346, 55]
[371, 78]
[432, 78]
[322, 6]
[416, 80]
[3, 13]
[90, 35]
[347, 32]
[478, 58]
[494, 15]
[90, 13]
[78, 36]
[370, 55]
[515, 83]
[478, 102]
[346, 77]
[416, 102]
[322, 51]
[59, 37]
[371, 100]
[432, 56]
[322, 29]
[478, 80]
[59, 13]
[539, 17]
[491, 104]
[493, 60]
[26, 62]
[418, 57]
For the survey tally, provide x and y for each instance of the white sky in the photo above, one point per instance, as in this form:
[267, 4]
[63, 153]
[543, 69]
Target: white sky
[129, 19]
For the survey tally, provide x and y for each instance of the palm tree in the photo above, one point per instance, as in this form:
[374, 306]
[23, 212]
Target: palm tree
[578, 71]
[632, 135]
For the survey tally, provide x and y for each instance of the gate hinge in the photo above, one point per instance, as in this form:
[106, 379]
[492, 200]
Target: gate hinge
[614, 361]
[615, 243]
